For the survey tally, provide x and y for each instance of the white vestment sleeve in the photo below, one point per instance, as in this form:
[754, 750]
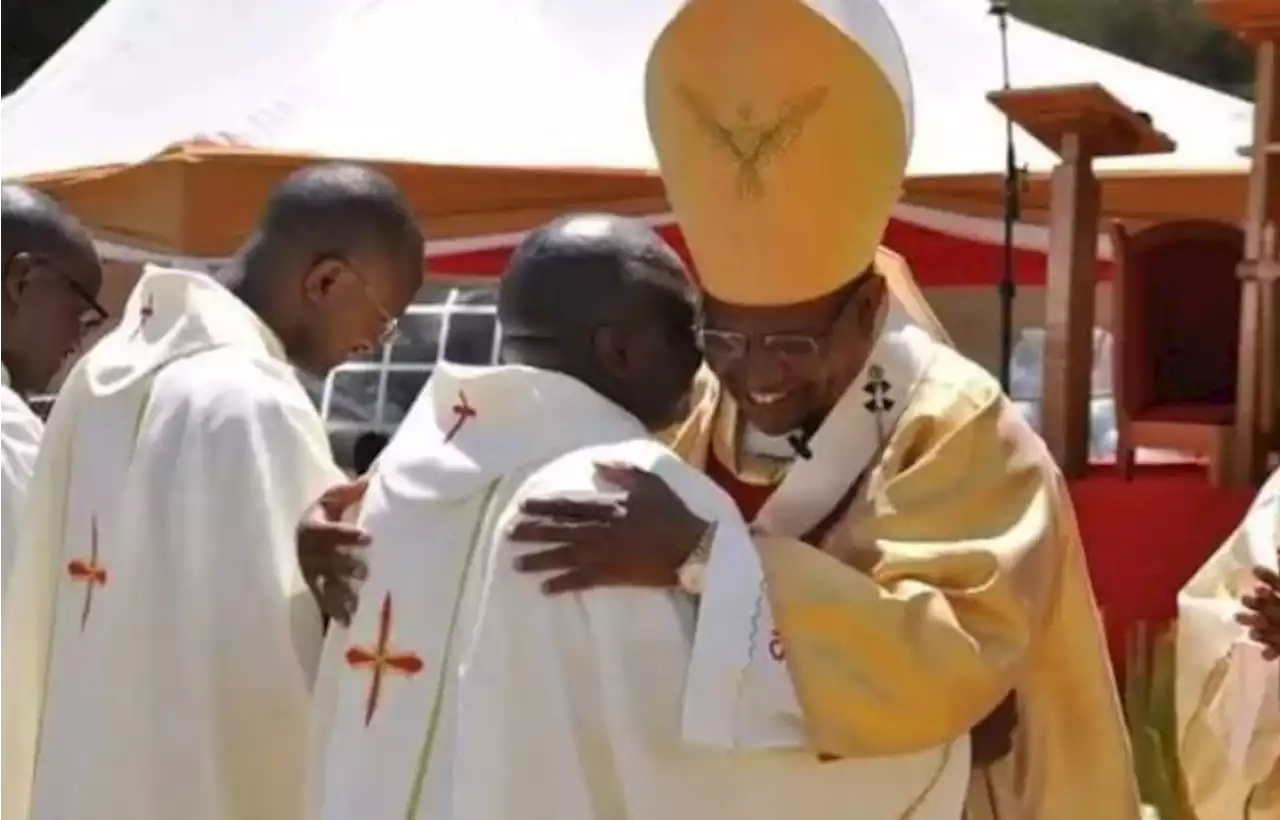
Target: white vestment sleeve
[569, 706]
[19, 443]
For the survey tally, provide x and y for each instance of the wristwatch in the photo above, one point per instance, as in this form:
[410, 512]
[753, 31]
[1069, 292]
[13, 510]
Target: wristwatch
[690, 575]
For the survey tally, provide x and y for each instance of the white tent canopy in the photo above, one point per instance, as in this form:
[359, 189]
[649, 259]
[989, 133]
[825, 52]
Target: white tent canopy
[510, 82]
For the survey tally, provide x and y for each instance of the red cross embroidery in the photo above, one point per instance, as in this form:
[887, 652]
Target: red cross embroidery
[464, 413]
[145, 313]
[88, 572]
[382, 658]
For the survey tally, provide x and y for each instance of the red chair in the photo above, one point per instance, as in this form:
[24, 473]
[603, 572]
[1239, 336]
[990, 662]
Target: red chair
[1176, 308]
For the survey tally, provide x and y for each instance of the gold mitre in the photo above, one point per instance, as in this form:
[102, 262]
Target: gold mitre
[782, 129]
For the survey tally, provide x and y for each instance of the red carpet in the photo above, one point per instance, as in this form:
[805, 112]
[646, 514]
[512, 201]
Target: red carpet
[1145, 538]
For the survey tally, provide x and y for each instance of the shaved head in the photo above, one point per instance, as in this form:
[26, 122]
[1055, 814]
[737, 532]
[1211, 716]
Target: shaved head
[338, 209]
[52, 277]
[604, 299]
[336, 256]
[566, 274]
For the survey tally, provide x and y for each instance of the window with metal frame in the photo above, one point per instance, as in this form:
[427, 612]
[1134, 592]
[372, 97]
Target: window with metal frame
[375, 392]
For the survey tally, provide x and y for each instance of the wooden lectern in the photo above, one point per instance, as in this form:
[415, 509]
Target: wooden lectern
[1257, 395]
[1078, 123]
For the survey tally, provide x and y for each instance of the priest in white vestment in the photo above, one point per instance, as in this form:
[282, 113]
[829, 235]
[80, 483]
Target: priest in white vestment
[461, 691]
[1228, 684]
[52, 276]
[160, 647]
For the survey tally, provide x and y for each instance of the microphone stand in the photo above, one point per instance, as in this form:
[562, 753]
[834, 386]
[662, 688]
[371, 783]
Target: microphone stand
[1008, 288]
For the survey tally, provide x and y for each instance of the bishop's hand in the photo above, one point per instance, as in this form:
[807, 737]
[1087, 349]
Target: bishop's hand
[640, 540]
[325, 550]
[1262, 612]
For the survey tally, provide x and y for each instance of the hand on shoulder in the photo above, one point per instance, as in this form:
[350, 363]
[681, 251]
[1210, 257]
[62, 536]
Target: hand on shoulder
[1262, 612]
[640, 540]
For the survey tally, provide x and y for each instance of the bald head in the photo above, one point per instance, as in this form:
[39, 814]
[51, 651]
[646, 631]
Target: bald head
[570, 272]
[335, 209]
[604, 299]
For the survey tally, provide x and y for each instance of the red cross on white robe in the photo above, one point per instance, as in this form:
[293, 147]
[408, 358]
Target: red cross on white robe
[463, 412]
[380, 659]
[88, 572]
[145, 313]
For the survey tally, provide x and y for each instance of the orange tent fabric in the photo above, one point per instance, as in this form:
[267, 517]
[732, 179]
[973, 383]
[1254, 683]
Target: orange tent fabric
[201, 199]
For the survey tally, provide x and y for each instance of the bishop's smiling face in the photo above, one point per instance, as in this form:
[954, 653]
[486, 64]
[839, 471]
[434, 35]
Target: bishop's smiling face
[786, 366]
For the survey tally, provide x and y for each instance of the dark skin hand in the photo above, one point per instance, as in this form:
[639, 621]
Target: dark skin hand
[325, 551]
[1262, 612]
[638, 541]
[641, 541]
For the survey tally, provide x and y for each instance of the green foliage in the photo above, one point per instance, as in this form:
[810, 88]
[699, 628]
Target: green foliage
[1151, 717]
[1171, 35]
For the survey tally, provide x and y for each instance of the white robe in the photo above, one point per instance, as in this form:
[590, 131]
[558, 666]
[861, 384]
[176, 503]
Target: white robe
[1228, 695]
[160, 646]
[462, 692]
[19, 443]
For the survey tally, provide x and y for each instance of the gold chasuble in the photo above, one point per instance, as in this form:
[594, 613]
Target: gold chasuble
[923, 562]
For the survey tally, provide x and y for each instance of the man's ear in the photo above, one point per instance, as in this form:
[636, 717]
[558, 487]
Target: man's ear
[612, 351]
[17, 275]
[318, 282]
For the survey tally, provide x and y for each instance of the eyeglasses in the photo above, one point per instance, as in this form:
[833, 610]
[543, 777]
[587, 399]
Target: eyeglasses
[725, 347]
[722, 347]
[96, 316]
[390, 332]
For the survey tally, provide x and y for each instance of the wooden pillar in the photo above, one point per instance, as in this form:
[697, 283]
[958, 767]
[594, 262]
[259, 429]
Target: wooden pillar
[1069, 306]
[1078, 123]
[1257, 401]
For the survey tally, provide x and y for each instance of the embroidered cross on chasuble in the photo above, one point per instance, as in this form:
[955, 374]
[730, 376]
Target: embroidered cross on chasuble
[381, 659]
[88, 571]
[464, 413]
[145, 313]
